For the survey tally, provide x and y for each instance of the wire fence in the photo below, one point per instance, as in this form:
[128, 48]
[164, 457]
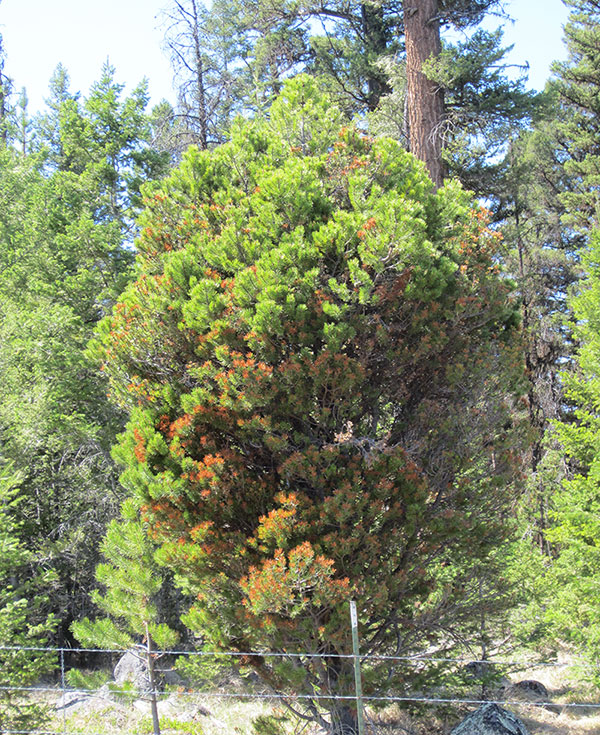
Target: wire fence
[62, 698]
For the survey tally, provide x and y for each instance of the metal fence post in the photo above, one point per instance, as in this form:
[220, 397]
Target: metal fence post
[64, 688]
[357, 677]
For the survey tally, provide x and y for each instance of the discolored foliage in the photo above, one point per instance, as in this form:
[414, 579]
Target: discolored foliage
[320, 359]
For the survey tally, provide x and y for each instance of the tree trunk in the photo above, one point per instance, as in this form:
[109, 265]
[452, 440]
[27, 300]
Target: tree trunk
[152, 681]
[3, 110]
[344, 721]
[376, 43]
[4, 90]
[424, 98]
[200, 90]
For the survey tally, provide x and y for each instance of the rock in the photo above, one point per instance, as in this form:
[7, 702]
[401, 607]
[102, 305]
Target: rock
[132, 668]
[490, 719]
[143, 706]
[529, 688]
[104, 692]
[174, 708]
[171, 678]
[70, 699]
[88, 702]
[179, 708]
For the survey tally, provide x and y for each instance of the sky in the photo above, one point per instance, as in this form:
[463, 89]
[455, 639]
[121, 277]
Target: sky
[84, 34]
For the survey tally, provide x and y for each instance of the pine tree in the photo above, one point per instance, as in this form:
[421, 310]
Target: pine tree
[545, 262]
[47, 125]
[133, 582]
[547, 207]
[572, 604]
[66, 227]
[21, 665]
[209, 51]
[320, 363]
[424, 97]
[484, 110]
[372, 54]
[5, 92]
[236, 56]
[577, 83]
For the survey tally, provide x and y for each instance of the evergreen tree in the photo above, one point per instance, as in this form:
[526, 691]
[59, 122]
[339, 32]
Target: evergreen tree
[424, 97]
[572, 605]
[320, 362]
[345, 42]
[21, 665]
[133, 582]
[544, 260]
[5, 92]
[66, 226]
[235, 57]
[24, 125]
[47, 125]
[571, 148]
[577, 83]
[388, 55]
[209, 51]
[484, 110]
[547, 207]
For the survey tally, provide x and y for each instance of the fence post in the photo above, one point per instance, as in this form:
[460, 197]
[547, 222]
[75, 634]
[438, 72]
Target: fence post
[357, 677]
[64, 688]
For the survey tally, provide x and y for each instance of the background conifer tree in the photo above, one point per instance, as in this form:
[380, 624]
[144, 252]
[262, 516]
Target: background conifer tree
[66, 227]
[22, 624]
[572, 604]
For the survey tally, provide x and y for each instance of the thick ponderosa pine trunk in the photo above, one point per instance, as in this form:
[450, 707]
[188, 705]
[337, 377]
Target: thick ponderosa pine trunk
[424, 98]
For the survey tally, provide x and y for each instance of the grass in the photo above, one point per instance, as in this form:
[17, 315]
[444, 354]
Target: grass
[180, 714]
[192, 713]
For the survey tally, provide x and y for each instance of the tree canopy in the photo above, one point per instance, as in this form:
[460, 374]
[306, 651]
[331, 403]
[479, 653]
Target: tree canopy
[309, 326]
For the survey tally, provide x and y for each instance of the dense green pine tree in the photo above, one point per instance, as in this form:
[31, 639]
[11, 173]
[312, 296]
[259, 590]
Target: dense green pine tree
[564, 169]
[577, 83]
[47, 124]
[66, 226]
[547, 206]
[572, 605]
[544, 260]
[320, 361]
[22, 626]
[133, 582]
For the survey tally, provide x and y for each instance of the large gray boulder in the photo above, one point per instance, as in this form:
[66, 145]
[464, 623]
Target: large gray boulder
[490, 719]
[132, 669]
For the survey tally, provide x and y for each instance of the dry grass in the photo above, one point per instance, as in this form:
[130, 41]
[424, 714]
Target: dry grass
[187, 713]
[565, 687]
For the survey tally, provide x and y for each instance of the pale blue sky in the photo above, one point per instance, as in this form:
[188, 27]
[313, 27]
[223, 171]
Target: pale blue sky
[83, 34]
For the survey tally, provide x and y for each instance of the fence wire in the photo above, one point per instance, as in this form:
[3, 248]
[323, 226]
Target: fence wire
[305, 654]
[68, 696]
